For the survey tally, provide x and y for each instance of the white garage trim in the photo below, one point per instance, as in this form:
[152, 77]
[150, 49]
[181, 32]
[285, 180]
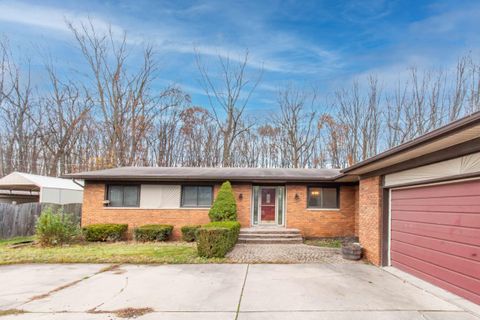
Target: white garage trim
[469, 164]
[389, 256]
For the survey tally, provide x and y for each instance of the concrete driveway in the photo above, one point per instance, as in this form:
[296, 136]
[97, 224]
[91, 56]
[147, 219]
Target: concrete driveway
[225, 291]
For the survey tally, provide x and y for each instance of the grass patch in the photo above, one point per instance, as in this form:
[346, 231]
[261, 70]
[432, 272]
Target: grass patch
[326, 243]
[99, 252]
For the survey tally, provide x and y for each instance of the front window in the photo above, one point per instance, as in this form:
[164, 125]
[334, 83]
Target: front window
[123, 196]
[322, 198]
[197, 196]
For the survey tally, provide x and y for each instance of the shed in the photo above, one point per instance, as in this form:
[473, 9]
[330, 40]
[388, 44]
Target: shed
[22, 187]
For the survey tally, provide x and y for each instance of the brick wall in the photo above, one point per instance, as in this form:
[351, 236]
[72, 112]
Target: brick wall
[370, 218]
[321, 223]
[311, 222]
[93, 211]
[243, 204]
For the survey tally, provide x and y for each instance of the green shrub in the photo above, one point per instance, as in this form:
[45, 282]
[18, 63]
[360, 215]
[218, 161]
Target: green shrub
[105, 232]
[224, 207]
[216, 239]
[55, 228]
[234, 225]
[189, 232]
[153, 232]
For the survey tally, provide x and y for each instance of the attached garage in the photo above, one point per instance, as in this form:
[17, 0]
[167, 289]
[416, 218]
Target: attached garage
[419, 207]
[435, 234]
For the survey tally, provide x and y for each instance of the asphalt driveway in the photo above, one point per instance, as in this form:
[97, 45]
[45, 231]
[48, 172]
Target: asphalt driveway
[225, 291]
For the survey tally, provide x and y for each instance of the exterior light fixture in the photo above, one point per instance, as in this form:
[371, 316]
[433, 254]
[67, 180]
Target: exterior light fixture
[240, 196]
[297, 197]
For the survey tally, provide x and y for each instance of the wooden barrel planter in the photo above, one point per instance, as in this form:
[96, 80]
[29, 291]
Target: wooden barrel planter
[352, 251]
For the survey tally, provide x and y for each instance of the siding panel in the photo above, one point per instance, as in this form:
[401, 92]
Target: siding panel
[450, 247]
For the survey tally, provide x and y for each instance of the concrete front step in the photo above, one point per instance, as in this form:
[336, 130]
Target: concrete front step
[269, 235]
[270, 230]
[270, 240]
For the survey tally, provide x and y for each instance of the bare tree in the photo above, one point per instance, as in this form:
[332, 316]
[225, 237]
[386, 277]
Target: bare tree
[199, 138]
[296, 120]
[228, 98]
[117, 116]
[66, 110]
[20, 150]
[123, 95]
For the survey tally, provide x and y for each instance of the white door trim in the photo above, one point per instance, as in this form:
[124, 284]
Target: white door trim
[259, 212]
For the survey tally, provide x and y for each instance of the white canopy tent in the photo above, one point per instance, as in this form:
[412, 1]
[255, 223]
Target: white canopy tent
[46, 189]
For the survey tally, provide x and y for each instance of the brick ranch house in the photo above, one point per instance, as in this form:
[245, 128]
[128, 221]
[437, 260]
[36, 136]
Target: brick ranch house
[415, 207]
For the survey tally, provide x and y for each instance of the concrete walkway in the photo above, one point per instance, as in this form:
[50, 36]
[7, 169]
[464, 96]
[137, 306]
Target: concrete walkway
[285, 253]
[225, 291]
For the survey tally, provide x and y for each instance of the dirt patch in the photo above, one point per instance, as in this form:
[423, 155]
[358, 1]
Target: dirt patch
[113, 267]
[42, 296]
[10, 312]
[126, 312]
[21, 244]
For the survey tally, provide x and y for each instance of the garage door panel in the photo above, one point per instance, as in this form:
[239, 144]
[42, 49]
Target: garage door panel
[435, 234]
[438, 208]
[468, 283]
[460, 265]
[449, 201]
[475, 297]
[454, 248]
[445, 218]
[456, 234]
[471, 188]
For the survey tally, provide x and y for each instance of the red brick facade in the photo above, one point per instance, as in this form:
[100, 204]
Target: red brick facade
[321, 222]
[312, 223]
[93, 211]
[370, 218]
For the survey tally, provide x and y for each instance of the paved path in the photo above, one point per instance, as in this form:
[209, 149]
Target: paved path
[219, 292]
[285, 253]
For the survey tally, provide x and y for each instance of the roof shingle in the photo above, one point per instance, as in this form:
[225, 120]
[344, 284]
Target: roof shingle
[207, 174]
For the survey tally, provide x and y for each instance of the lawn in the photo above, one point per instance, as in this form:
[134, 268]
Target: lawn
[95, 252]
[328, 243]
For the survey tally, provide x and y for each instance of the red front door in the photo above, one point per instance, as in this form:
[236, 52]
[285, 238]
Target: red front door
[267, 205]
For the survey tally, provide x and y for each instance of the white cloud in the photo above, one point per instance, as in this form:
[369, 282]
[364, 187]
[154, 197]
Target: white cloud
[46, 17]
[282, 52]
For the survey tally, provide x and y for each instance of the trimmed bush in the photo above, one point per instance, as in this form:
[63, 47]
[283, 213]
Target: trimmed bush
[216, 239]
[105, 232]
[153, 232]
[189, 232]
[224, 207]
[234, 225]
[55, 228]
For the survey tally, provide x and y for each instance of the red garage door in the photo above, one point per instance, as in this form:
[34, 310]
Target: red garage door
[435, 235]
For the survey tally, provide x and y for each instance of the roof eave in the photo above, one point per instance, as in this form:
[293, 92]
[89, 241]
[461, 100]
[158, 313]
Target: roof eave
[430, 137]
[207, 178]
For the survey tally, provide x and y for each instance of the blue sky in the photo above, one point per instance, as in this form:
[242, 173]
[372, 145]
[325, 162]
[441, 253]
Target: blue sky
[325, 44]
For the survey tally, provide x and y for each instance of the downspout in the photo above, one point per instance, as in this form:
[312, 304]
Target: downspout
[40, 198]
[78, 184]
